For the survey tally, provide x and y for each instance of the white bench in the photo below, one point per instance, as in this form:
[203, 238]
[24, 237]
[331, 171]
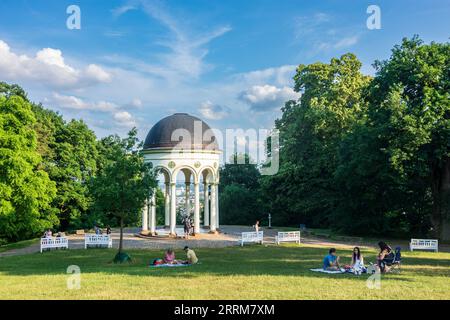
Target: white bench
[290, 236]
[423, 244]
[58, 242]
[251, 237]
[97, 240]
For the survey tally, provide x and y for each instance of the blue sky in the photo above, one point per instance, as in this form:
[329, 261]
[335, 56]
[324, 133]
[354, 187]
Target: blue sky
[229, 62]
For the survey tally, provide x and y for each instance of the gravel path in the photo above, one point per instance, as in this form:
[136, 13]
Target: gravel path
[228, 237]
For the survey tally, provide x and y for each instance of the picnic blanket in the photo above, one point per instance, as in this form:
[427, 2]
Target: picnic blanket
[170, 265]
[327, 271]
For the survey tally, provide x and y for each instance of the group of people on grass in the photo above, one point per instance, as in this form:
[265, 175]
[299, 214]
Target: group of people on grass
[385, 257]
[169, 258]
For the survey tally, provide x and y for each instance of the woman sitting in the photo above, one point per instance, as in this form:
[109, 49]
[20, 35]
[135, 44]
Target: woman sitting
[385, 256]
[357, 261]
[169, 257]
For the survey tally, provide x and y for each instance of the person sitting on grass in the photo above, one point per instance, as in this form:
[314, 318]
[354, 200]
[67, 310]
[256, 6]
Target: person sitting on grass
[357, 260]
[169, 257]
[191, 256]
[385, 256]
[331, 261]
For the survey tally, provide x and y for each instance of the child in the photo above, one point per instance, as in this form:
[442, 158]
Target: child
[331, 261]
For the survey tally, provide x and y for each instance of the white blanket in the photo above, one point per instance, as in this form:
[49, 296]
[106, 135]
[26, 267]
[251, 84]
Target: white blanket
[170, 265]
[327, 271]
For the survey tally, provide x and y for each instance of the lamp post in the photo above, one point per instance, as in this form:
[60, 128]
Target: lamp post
[270, 221]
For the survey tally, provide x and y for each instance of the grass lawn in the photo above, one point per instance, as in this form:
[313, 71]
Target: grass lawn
[252, 272]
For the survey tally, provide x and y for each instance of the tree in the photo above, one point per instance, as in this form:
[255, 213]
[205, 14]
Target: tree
[73, 163]
[409, 98]
[25, 190]
[311, 129]
[240, 191]
[124, 183]
[239, 205]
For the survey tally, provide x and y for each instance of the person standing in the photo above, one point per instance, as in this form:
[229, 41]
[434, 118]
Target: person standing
[187, 226]
[256, 226]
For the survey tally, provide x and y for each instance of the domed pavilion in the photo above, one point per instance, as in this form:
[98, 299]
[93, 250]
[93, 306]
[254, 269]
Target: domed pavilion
[184, 143]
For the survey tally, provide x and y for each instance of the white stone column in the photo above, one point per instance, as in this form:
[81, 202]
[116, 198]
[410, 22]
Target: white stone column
[152, 214]
[217, 207]
[212, 222]
[196, 208]
[145, 217]
[206, 206]
[187, 198]
[167, 206]
[173, 208]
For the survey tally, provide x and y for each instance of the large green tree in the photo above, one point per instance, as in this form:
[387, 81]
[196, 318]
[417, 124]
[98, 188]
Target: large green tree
[311, 129]
[124, 183]
[410, 100]
[25, 190]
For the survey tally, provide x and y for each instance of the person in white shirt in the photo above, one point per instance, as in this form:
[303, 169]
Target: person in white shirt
[357, 261]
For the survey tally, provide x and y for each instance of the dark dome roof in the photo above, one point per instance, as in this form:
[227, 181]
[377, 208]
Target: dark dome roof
[160, 136]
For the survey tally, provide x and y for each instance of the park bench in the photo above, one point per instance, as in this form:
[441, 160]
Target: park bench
[251, 237]
[58, 242]
[289, 236]
[423, 244]
[97, 240]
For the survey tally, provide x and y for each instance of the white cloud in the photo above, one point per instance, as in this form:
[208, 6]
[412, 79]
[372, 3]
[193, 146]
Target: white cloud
[67, 102]
[137, 103]
[187, 49]
[124, 119]
[267, 97]
[75, 103]
[211, 111]
[95, 72]
[306, 25]
[280, 76]
[346, 42]
[47, 66]
[122, 10]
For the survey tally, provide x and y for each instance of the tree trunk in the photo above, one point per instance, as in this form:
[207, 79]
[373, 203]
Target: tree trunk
[441, 200]
[121, 236]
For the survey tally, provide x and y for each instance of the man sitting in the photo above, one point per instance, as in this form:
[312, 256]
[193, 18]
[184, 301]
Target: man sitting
[331, 261]
[191, 256]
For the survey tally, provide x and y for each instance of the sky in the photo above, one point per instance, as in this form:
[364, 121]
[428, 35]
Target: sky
[231, 63]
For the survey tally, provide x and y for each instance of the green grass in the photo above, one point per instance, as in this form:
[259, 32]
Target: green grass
[18, 245]
[252, 272]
